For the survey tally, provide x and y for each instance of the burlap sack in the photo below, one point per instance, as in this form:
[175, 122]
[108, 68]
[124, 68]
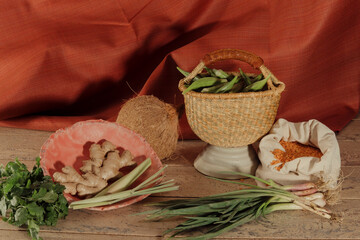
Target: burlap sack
[304, 169]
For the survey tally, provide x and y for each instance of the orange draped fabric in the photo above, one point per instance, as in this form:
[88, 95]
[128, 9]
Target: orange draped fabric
[66, 61]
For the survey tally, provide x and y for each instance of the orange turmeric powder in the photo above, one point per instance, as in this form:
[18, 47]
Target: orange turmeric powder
[293, 150]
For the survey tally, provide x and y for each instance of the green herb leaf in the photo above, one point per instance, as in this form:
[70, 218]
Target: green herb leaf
[21, 216]
[33, 229]
[45, 195]
[50, 197]
[39, 194]
[15, 201]
[35, 211]
[30, 198]
[8, 186]
[3, 206]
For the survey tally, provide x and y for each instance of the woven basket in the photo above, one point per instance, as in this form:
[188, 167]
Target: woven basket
[232, 119]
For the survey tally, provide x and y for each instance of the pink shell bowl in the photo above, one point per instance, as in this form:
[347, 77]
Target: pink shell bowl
[70, 146]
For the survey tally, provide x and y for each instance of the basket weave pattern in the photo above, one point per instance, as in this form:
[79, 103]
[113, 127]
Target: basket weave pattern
[231, 122]
[232, 119]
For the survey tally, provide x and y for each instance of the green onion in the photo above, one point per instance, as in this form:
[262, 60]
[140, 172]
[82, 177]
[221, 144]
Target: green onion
[220, 213]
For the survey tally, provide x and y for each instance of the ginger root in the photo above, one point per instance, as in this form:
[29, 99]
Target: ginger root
[75, 183]
[104, 164]
[69, 174]
[97, 156]
[70, 188]
[113, 163]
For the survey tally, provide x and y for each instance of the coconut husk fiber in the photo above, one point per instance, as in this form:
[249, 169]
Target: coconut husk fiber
[153, 119]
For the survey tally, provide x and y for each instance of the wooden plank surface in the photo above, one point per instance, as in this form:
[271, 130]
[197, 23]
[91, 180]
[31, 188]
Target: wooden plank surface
[122, 224]
[285, 225]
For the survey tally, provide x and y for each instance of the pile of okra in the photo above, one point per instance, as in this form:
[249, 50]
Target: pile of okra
[219, 81]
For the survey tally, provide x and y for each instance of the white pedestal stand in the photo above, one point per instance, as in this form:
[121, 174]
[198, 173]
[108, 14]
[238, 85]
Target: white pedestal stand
[218, 159]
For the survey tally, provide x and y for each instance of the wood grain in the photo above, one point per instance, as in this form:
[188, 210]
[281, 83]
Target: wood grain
[122, 224]
[186, 176]
[298, 224]
[21, 143]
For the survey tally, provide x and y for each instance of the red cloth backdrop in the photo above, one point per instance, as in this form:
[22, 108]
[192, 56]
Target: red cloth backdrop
[66, 61]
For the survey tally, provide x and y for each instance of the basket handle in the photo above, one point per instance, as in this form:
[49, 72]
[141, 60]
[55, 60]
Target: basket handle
[225, 54]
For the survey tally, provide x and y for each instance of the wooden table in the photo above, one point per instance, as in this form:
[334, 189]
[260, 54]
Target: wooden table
[120, 224]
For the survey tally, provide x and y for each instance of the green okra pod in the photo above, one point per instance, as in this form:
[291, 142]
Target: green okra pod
[227, 87]
[202, 82]
[258, 77]
[185, 73]
[210, 71]
[213, 89]
[237, 87]
[256, 86]
[219, 81]
[246, 77]
[220, 73]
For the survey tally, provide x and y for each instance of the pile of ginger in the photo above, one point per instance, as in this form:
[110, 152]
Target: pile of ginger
[104, 164]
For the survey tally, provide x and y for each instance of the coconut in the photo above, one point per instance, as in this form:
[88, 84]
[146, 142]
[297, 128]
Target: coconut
[154, 120]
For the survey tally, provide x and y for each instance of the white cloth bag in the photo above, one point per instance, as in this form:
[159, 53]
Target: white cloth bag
[303, 169]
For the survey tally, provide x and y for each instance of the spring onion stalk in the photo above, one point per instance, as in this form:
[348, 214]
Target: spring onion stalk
[220, 213]
[124, 182]
[144, 188]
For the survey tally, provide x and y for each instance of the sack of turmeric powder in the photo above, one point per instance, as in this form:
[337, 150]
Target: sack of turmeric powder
[294, 153]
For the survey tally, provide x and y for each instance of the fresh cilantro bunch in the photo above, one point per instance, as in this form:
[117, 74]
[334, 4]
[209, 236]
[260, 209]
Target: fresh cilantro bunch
[30, 198]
